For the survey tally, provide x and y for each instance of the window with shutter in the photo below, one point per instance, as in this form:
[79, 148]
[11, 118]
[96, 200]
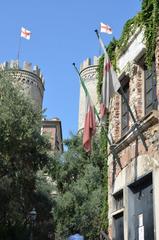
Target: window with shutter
[150, 90]
[124, 110]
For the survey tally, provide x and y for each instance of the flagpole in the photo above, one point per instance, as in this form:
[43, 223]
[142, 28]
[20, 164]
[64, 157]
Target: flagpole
[96, 112]
[19, 47]
[125, 99]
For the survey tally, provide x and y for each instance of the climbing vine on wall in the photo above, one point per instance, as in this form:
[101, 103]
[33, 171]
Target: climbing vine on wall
[103, 150]
[100, 76]
[128, 30]
[116, 47]
[148, 19]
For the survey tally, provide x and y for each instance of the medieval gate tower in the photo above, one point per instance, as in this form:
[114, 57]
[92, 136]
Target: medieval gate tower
[31, 80]
[89, 75]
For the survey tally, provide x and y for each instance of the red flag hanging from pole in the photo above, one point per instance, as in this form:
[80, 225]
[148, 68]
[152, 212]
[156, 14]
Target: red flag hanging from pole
[89, 124]
[90, 119]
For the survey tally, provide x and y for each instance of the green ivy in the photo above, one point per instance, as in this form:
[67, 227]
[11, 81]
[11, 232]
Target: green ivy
[100, 76]
[103, 150]
[111, 50]
[148, 19]
[128, 30]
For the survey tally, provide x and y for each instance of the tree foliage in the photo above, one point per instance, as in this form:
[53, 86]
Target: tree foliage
[44, 202]
[23, 151]
[79, 181]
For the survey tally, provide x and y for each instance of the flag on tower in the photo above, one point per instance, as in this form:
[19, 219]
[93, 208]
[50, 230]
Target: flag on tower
[25, 33]
[105, 28]
[110, 84]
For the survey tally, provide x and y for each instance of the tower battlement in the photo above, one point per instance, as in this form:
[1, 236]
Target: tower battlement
[26, 66]
[89, 62]
[30, 78]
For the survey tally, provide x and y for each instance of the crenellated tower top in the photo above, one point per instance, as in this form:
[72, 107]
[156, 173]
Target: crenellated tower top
[29, 77]
[88, 63]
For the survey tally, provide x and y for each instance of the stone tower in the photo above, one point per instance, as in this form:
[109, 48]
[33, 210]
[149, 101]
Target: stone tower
[89, 75]
[30, 79]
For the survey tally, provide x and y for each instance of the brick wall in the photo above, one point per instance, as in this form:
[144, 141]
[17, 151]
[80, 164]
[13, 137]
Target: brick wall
[137, 104]
[133, 157]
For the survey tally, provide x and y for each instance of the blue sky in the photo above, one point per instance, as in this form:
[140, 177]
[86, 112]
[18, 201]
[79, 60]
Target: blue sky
[62, 33]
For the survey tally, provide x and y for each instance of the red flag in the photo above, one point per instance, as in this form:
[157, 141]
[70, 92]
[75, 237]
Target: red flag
[89, 124]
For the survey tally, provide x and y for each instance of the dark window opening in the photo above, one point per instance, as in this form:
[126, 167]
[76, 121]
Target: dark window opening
[141, 223]
[124, 109]
[118, 227]
[118, 200]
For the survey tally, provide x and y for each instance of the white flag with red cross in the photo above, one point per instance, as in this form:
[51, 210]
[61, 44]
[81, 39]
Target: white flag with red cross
[25, 33]
[105, 28]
